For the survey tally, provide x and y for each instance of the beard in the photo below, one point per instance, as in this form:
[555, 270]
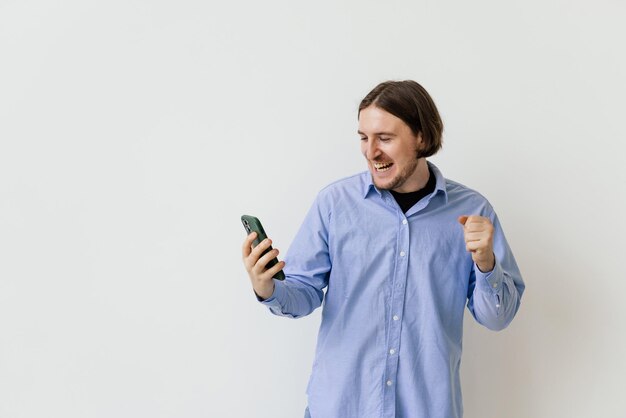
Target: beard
[402, 176]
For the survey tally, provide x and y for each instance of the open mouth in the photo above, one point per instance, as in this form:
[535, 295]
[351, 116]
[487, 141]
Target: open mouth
[382, 166]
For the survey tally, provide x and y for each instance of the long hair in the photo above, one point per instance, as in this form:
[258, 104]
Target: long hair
[410, 102]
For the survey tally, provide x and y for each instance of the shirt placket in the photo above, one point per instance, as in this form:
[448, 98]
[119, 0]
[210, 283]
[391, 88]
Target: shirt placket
[396, 313]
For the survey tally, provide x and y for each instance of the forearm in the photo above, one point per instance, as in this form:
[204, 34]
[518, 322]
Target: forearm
[293, 298]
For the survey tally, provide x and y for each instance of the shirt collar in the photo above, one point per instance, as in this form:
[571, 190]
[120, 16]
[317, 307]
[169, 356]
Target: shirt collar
[440, 183]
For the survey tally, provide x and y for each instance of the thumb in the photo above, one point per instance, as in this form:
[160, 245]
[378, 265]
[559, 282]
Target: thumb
[462, 219]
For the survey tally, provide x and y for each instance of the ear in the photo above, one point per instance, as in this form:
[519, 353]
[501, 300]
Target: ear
[420, 141]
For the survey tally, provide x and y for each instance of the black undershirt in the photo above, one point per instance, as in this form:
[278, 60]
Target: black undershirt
[407, 200]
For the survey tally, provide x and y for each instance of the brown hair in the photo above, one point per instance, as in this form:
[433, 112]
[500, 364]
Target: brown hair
[410, 102]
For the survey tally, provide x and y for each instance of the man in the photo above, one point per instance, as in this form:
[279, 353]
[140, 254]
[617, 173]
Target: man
[401, 251]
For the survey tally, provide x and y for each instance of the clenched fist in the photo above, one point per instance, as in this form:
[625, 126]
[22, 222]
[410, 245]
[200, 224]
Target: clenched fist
[478, 232]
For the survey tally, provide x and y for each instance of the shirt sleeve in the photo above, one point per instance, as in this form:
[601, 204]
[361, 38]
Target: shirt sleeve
[307, 267]
[494, 297]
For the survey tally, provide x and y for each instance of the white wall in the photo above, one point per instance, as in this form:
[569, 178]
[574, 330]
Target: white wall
[135, 133]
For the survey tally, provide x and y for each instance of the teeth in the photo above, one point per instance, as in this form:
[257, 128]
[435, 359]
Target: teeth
[382, 166]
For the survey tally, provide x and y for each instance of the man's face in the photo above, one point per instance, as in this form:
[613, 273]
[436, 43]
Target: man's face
[390, 148]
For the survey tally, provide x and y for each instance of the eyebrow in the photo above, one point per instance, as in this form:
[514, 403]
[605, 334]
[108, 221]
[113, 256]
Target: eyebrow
[379, 133]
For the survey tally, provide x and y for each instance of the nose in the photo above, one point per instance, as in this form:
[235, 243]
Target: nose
[371, 149]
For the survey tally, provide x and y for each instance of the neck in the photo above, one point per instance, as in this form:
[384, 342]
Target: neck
[417, 180]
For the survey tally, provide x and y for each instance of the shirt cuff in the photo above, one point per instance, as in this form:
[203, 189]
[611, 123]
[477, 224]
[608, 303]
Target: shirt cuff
[490, 281]
[277, 296]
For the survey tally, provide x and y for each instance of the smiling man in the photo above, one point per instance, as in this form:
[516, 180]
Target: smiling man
[401, 251]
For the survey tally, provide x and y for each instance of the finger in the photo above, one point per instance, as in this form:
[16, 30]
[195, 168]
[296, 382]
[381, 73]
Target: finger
[478, 218]
[259, 249]
[474, 236]
[256, 253]
[475, 246]
[261, 265]
[478, 226]
[474, 229]
[269, 273]
[247, 244]
[468, 219]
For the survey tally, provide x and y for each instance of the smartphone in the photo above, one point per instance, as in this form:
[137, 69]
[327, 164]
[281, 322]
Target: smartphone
[252, 224]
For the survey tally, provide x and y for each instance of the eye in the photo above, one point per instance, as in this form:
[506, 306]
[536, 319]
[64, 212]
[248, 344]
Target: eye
[384, 139]
[363, 138]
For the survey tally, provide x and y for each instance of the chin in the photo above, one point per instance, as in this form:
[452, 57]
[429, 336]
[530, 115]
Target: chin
[388, 185]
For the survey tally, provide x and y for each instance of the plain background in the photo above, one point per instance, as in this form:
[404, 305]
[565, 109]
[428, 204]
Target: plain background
[135, 133]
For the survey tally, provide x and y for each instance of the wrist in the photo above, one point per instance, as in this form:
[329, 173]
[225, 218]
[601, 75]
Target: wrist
[265, 292]
[488, 265]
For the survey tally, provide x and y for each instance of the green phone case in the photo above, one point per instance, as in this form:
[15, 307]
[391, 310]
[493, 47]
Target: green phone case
[252, 224]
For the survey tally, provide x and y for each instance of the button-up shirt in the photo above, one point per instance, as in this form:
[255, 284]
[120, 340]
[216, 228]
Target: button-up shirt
[394, 287]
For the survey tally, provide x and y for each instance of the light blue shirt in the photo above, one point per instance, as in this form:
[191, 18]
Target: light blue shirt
[397, 284]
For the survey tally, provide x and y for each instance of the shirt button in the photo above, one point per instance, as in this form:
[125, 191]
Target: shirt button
[404, 222]
[392, 351]
[402, 254]
[395, 317]
[494, 285]
[389, 383]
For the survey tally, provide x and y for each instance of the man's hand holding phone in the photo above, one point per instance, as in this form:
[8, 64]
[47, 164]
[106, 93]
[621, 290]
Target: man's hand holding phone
[256, 265]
